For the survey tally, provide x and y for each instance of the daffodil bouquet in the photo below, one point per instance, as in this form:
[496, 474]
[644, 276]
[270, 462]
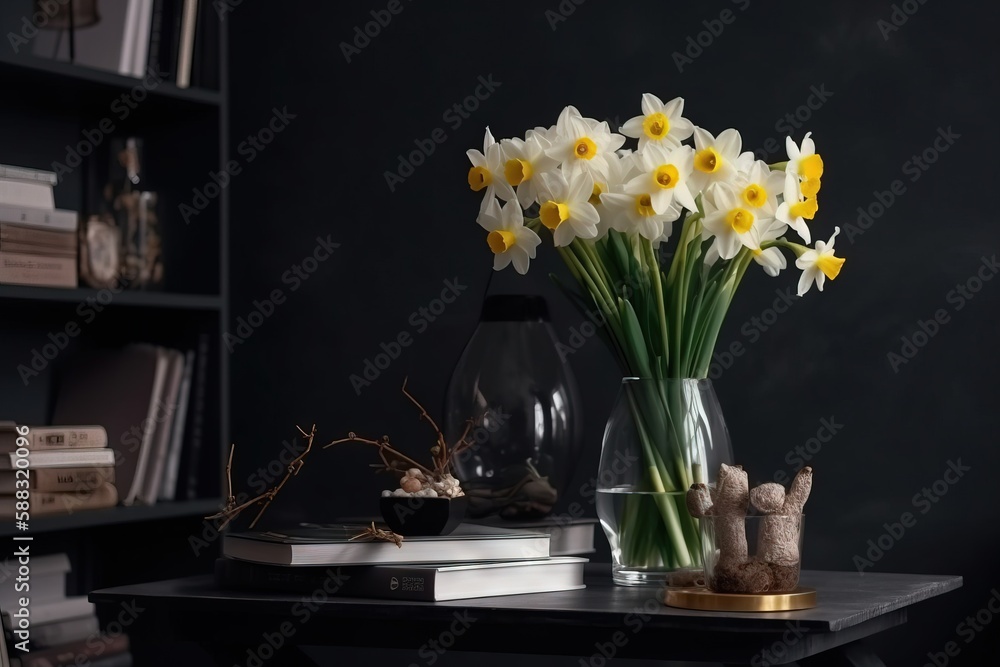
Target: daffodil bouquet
[608, 211]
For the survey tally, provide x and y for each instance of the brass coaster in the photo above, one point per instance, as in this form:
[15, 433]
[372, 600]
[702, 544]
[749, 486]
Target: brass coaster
[706, 600]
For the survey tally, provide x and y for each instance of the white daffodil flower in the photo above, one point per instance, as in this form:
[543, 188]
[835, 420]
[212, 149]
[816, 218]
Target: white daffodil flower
[664, 177]
[771, 259]
[728, 219]
[660, 124]
[818, 265]
[635, 214]
[796, 209]
[508, 238]
[486, 173]
[566, 209]
[524, 163]
[715, 158]
[805, 163]
[759, 188]
[582, 144]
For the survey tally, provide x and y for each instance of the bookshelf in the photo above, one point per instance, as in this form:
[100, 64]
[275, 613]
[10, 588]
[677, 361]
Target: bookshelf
[46, 108]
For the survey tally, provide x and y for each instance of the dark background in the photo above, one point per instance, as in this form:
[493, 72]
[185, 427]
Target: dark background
[891, 93]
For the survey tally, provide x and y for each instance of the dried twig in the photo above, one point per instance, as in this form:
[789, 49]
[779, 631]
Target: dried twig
[232, 510]
[379, 534]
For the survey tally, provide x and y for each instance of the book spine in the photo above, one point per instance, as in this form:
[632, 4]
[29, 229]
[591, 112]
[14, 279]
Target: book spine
[24, 269]
[127, 54]
[71, 479]
[44, 250]
[83, 437]
[185, 54]
[37, 236]
[39, 218]
[28, 174]
[391, 583]
[157, 29]
[197, 416]
[142, 34]
[48, 502]
[16, 192]
[78, 653]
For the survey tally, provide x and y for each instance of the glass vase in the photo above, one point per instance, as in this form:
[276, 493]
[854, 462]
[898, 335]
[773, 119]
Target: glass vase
[521, 395]
[662, 437]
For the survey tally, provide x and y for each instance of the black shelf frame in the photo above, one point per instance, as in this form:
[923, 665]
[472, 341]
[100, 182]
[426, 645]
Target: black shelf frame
[122, 298]
[114, 516]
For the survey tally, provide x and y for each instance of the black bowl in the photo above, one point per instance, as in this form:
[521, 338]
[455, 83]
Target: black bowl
[406, 515]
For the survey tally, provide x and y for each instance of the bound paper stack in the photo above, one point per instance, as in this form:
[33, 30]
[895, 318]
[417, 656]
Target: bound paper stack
[472, 562]
[63, 629]
[37, 241]
[68, 469]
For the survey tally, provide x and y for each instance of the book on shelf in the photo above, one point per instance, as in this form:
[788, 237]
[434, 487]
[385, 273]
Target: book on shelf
[95, 651]
[70, 458]
[55, 611]
[26, 192]
[185, 48]
[47, 582]
[47, 503]
[59, 633]
[569, 537]
[430, 582]
[139, 394]
[58, 479]
[28, 174]
[44, 438]
[332, 545]
[18, 268]
[13, 217]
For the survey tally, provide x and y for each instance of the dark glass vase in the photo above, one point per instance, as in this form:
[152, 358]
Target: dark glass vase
[524, 406]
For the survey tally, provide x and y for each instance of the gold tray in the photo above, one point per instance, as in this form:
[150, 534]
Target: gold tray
[706, 600]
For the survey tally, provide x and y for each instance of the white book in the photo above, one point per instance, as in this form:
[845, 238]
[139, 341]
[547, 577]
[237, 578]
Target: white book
[63, 632]
[52, 612]
[144, 26]
[149, 430]
[127, 55]
[185, 50]
[28, 174]
[164, 420]
[59, 220]
[77, 458]
[47, 582]
[168, 486]
[333, 545]
[17, 192]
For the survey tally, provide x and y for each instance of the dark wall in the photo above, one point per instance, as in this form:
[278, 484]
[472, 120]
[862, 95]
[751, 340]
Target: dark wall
[880, 94]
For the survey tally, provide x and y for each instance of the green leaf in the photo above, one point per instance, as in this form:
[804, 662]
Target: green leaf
[634, 341]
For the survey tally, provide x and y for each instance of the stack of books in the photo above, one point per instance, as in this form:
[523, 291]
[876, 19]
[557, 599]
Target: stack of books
[472, 562]
[63, 629]
[174, 40]
[37, 241]
[69, 469]
[141, 394]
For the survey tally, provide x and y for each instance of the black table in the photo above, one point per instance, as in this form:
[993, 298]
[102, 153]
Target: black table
[595, 623]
